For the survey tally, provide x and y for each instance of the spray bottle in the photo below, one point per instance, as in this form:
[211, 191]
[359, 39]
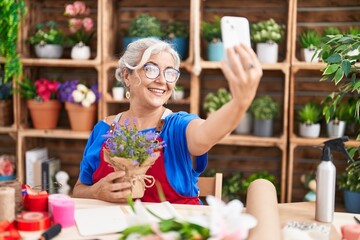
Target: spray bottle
[326, 178]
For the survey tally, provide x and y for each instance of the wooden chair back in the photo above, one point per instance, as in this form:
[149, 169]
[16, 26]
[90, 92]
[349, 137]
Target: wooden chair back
[211, 186]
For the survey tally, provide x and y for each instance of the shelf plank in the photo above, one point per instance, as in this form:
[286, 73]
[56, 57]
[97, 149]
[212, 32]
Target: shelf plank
[319, 141]
[249, 140]
[42, 62]
[54, 133]
[276, 66]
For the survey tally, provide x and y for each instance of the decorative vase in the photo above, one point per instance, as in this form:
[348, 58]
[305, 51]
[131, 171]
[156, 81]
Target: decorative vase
[267, 52]
[80, 52]
[81, 118]
[215, 51]
[6, 113]
[44, 115]
[48, 51]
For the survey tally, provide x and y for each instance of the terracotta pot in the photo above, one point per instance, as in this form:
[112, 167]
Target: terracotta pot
[81, 118]
[44, 115]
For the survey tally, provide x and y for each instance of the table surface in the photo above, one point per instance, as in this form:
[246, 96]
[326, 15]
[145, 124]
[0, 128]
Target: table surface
[301, 212]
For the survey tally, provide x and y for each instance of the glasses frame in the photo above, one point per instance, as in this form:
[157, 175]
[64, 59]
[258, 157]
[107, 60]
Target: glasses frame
[151, 64]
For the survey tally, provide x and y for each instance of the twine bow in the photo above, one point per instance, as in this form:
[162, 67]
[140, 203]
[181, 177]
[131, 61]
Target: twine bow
[143, 178]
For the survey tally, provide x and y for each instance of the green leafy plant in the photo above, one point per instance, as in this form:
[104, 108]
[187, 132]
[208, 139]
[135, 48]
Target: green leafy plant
[331, 31]
[211, 30]
[41, 90]
[176, 29]
[264, 108]
[350, 179]
[258, 175]
[145, 25]
[354, 30]
[47, 33]
[11, 13]
[118, 84]
[214, 101]
[310, 113]
[267, 31]
[309, 38]
[232, 186]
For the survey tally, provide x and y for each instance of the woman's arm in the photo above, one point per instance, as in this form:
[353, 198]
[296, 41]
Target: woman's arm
[243, 74]
[108, 189]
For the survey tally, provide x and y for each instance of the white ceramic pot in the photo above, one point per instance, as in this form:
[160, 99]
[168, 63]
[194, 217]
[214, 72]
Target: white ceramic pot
[48, 51]
[309, 130]
[308, 55]
[118, 93]
[336, 129]
[267, 52]
[178, 95]
[80, 52]
[244, 127]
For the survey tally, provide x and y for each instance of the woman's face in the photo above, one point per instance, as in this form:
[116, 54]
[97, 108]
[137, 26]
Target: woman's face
[156, 91]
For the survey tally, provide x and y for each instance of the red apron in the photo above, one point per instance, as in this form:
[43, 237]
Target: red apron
[157, 170]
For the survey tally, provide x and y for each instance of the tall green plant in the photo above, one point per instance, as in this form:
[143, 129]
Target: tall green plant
[11, 12]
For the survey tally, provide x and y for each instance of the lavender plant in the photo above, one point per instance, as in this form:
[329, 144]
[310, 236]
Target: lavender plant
[128, 142]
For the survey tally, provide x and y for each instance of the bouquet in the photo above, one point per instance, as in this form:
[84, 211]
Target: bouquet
[75, 92]
[134, 152]
[80, 24]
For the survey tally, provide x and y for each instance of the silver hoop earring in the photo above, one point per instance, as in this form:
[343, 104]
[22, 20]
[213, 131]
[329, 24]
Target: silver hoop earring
[127, 95]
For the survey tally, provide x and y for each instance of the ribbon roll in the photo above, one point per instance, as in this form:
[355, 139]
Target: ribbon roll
[16, 185]
[36, 201]
[7, 204]
[63, 212]
[33, 221]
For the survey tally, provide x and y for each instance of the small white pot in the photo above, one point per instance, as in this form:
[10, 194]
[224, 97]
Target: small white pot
[335, 130]
[178, 95]
[118, 93]
[80, 52]
[49, 51]
[309, 130]
[354, 52]
[308, 55]
[245, 124]
[267, 52]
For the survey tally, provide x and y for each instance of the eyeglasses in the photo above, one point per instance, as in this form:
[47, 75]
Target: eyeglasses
[152, 72]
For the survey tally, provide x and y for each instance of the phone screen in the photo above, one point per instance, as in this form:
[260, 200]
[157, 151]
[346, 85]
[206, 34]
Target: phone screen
[235, 30]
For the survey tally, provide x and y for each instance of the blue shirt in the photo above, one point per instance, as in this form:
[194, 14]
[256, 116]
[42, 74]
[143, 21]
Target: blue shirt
[178, 164]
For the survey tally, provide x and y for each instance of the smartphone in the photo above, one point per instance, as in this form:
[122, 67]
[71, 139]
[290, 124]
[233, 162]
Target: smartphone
[235, 30]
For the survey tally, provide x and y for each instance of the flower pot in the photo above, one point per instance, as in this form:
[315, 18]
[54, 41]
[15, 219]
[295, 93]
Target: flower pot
[263, 128]
[44, 115]
[267, 52]
[81, 118]
[309, 130]
[178, 95]
[6, 112]
[215, 51]
[336, 129]
[181, 45]
[118, 93]
[49, 51]
[80, 52]
[352, 201]
[245, 124]
[308, 55]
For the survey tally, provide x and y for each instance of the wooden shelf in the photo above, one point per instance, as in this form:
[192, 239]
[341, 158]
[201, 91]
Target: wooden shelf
[41, 62]
[248, 140]
[319, 141]
[10, 129]
[277, 66]
[53, 133]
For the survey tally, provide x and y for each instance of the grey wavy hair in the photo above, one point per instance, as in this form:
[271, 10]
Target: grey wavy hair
[139, 52]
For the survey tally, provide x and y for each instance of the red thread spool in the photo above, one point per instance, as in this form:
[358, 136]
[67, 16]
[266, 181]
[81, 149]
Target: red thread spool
[33, 221]
[36, 202]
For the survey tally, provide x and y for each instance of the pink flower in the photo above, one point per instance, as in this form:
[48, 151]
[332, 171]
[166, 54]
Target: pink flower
[75, 24]
[80, 7]
[70, 10]
[6, 167]
[46, 89]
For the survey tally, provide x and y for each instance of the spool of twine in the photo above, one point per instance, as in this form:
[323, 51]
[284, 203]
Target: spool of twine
[7, 204]
[16, 185]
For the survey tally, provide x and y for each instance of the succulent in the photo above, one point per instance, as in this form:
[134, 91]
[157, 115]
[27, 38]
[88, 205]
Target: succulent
[267, 31]
[145, 25]
[211, 31]
[310, 113]
[214, 101]
[264, 108]
[309, 38]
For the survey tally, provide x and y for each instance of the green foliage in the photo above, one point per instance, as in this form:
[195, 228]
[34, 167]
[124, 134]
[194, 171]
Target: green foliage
[232, 186]
[179, 88]
[309, 38]
[339, 66]
[214, 101]
[26, 88]
[264, 108]
[350, 179]
[11, 12]
[145, 25]
[47, 33]
[118, 84]
[331, 31]
[258, 175]
[354, 30]
[211, 31]
[310, 113]
[176, 29]
[267, 31]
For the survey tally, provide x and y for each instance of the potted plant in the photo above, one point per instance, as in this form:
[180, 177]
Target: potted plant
[337, 124]
[232, 187]
[80, 104]
[41, 100]
[11, 15]
[143, 26]
[259, 175]
[6, 113]
[354, 31]
[310, 116]
[267, 34]
[214, 101]
[331, 31]
[309, 40]
[82, 28]
[48, 40]
[264, 109]
[211, 32]
[178, 93]
[177, 34]
[118, 90]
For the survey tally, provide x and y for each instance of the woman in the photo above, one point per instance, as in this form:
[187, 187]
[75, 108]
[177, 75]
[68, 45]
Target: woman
[149, 69]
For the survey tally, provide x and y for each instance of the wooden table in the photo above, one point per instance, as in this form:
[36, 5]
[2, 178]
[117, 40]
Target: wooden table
[301, 212]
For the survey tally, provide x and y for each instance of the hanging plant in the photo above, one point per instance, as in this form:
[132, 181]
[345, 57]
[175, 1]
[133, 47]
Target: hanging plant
[11, 12]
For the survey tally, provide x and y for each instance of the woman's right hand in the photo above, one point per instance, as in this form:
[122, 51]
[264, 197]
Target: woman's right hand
[112, 188]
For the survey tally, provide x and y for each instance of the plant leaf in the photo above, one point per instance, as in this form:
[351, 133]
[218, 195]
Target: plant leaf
[331, 69]
[334, 58]
[346, 66]
[338, 76]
